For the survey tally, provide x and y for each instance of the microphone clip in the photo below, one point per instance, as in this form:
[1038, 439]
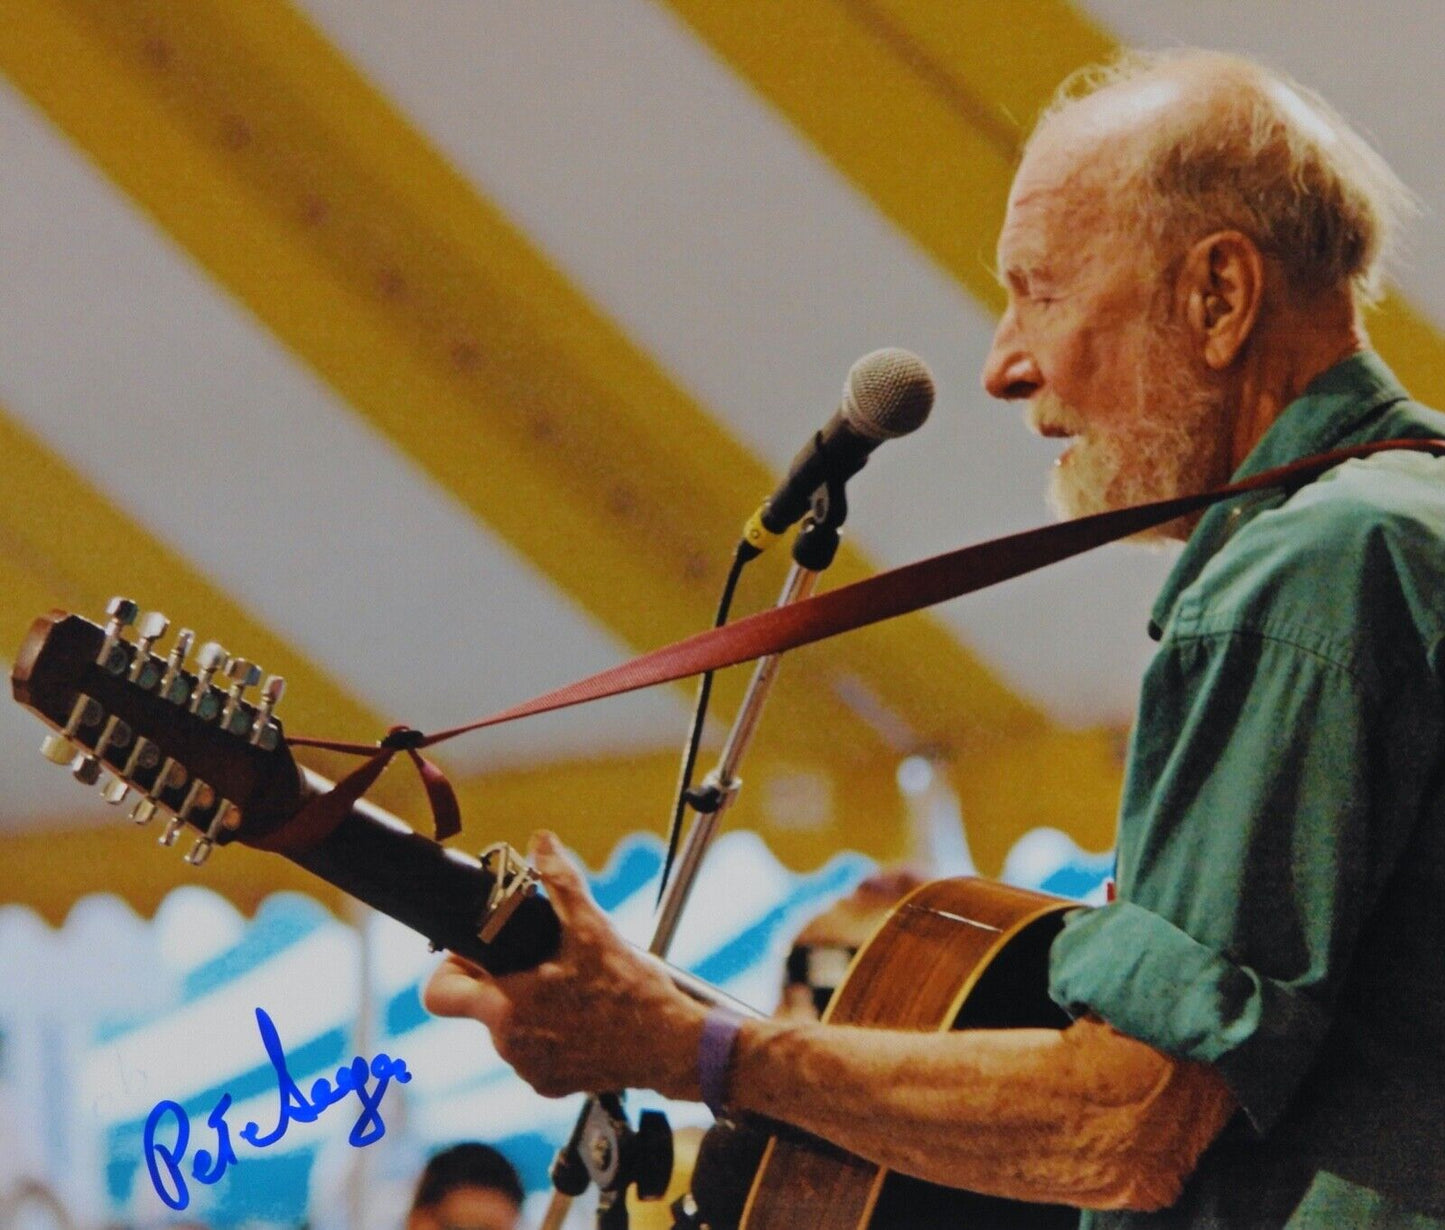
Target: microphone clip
[818, 538]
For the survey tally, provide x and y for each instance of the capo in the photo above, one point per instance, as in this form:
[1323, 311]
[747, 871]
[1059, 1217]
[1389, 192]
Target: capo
[512, 882]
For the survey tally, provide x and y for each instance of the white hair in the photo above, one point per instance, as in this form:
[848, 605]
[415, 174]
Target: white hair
[1256, 152]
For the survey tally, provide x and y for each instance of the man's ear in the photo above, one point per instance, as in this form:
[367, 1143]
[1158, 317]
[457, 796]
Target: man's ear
[1221, 284]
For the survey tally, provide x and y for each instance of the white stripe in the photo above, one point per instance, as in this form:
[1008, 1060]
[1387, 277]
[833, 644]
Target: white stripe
[307, 989]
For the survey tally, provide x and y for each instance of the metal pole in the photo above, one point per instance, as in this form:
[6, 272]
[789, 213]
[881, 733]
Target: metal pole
[798, 585]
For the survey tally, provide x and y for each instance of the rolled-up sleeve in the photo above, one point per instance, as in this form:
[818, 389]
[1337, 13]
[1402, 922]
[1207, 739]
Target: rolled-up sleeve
[1154, 982]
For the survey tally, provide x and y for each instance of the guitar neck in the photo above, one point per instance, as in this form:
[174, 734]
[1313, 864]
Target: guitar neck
[439, 892]
[443, 894]
[219, 765]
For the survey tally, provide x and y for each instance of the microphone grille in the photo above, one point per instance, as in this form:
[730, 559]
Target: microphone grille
[888, 393]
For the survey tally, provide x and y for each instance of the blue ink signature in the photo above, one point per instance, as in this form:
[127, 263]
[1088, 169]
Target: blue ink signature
[208, 1167]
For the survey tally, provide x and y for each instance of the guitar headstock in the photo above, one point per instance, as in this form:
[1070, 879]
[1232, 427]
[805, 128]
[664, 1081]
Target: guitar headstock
[175, 737]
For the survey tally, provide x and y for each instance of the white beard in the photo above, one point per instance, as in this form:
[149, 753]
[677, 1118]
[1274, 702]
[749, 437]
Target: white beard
[1175, 443]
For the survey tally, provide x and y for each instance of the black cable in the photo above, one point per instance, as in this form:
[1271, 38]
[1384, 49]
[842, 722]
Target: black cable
[743, 555]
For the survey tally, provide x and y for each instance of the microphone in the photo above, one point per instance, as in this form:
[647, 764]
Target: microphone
[888, 393]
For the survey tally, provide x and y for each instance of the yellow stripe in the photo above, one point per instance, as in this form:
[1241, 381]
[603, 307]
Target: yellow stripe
[284, 173]
[893, 120]
[62, 544]
[78, 549]
[907, 100]
[52, 867]
[1412, 345]
[60, 861]
[1007, 64]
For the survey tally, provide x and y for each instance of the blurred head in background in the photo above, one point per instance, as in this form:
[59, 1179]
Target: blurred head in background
[823, 950]
[469, 1186]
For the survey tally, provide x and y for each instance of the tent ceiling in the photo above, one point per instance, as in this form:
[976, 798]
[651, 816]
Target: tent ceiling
[434, 363]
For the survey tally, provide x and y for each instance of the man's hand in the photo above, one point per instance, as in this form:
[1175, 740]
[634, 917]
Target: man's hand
[600, 1015]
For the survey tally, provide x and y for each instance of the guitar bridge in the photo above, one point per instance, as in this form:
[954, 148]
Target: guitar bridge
[513, 881]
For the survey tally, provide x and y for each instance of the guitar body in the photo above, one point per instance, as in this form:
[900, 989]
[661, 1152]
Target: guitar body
[965, 953]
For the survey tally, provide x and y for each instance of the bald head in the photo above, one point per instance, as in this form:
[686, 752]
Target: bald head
[1186, 143]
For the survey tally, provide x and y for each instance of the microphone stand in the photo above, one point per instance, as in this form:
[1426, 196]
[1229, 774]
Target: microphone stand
[601, 1122]
[719, 788]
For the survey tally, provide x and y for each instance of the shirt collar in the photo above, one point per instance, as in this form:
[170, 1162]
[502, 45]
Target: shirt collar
[1338, 404]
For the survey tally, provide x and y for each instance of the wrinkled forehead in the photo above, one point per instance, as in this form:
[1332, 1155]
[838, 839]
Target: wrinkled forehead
[1060, 194]
[1051, 210]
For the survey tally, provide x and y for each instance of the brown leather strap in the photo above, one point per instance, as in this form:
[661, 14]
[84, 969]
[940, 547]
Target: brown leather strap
[883, 596]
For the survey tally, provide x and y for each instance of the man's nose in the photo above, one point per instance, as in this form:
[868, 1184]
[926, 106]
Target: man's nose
[1010, 372]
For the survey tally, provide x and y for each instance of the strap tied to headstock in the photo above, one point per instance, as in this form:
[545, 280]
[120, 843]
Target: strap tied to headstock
[326, 811]
[403, 739]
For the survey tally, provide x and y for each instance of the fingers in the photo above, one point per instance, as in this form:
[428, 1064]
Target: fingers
[566, 889]
[458, 988]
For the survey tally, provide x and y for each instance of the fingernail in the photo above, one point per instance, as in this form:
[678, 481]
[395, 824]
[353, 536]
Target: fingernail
[542, 847]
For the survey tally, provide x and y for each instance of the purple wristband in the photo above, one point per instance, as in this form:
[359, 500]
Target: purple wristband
[714, 1055]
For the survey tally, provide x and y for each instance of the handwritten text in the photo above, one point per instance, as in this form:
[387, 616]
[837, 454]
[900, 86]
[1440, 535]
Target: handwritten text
[208, 1165]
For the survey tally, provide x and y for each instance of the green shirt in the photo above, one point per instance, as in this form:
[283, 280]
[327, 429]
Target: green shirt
[1281, 882]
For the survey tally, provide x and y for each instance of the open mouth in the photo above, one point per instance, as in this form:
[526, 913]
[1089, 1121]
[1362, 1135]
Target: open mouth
[1054, 431]
[1043, 419]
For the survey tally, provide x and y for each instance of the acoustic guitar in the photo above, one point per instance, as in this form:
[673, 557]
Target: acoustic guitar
[186, 747]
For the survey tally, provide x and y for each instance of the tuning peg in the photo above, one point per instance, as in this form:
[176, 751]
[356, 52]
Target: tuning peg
[61, 748]
[264, 731]
[143, 756]
[171, 774]
[199, 795]
[211, 658]
[87, 768]
[113, 790]
[173, 685]
[227, 816]
[122, 614]
[143, 670]
[243, 675]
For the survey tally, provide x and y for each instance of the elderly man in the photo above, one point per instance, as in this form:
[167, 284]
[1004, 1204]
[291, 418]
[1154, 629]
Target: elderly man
[1259, 1034]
